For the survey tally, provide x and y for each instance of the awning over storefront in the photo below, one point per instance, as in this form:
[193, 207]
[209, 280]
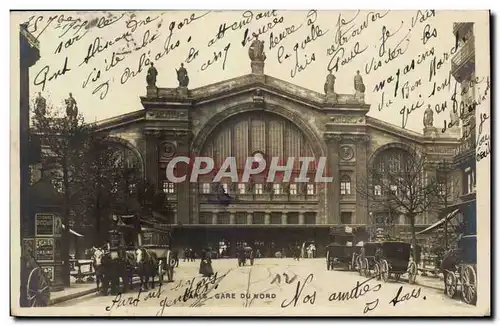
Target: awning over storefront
[73, 232]
[440, 222]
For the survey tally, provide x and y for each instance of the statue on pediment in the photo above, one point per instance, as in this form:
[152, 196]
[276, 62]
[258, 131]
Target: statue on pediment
[359, 86]
[71, 108]
[40, 105]
[428, 117]
[256, 50]
[330, 84]
[151, 76]
[182, 76]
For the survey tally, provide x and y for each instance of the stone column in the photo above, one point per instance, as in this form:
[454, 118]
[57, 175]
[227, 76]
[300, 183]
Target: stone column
[283, 219]
[232, 218]
[267, 218]
[361, 214]
[214, 217]
[249, 218]
[152, 163]
[333, 188]
[301, 218]
[184, 204]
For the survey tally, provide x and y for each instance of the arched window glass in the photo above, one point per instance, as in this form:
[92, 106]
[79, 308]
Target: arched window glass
[345, 185]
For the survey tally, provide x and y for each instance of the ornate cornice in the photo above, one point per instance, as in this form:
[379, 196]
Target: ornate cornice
[175, 114]
[167, 134]
[347, 137]
[332, 137]
[347, 119]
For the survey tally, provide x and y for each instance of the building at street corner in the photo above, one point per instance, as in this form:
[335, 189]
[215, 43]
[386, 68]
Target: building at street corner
[463, 69]
[262, 116]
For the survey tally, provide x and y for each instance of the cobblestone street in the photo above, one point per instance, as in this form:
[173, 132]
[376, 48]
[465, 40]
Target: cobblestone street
[305, 284]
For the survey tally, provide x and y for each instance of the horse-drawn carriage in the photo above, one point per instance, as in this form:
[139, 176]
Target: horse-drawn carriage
[245, 253]
[337, 254]
[368, 259]
[156, 240]
[133, 250]
[395, 259]
[464, 272]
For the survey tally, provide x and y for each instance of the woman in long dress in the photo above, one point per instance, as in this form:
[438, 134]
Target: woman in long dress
[206, 264]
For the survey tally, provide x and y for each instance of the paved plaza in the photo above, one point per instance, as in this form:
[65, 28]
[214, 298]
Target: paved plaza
[275, 283]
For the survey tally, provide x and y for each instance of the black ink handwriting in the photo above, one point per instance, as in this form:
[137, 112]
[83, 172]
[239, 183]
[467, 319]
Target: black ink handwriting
[427, 33]
[127, 302]
[193, 292]
[133, 23]
[483, 148]
[422, 16]
[216, 58]
[66, 44]
[288, 280]
[343, 36]
[275, 40]
[99, 46]
[308, 298]
[45, 75]
[414, 294]
[262, 30]
[406, 111]
[339, 60]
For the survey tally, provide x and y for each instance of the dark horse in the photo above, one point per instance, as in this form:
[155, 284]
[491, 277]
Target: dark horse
[147, 266]
[110, 269]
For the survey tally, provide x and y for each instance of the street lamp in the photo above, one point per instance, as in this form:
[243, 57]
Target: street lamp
[371, 225]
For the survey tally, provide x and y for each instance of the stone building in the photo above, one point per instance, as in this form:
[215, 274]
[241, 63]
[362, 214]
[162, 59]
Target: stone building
[464, 71]
[259, 115]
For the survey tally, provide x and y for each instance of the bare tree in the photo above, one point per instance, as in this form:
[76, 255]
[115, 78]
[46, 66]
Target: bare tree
[397, 182]
[65, 138]
[447, 193]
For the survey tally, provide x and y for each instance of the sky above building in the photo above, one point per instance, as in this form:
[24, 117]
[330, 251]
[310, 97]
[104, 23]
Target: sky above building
[102, 58]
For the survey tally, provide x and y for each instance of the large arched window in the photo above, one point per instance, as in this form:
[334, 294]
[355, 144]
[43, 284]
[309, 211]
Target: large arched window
[345, 185]
[391, 167]
[127, 168]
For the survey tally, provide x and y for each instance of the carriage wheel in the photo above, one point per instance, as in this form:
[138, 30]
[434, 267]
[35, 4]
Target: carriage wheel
[469, 284]
[384, 270]
[353, 262]
[366, 267]
[38, 291]
[450, 284]
[412, 272]
[377, 271]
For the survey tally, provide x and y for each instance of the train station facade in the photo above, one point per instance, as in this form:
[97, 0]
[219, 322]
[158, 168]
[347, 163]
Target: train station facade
[260, 116]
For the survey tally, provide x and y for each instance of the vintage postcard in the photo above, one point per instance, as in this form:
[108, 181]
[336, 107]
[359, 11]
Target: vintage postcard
[250, 163]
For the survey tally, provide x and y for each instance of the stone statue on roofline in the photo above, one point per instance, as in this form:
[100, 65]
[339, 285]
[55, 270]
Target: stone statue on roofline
[256, 50]
[329, 87]
[428, 117]
[182, 76]
[151, 76]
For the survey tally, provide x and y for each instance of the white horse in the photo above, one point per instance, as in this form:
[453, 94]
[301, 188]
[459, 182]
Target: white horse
[309, 251]
[97, 260]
